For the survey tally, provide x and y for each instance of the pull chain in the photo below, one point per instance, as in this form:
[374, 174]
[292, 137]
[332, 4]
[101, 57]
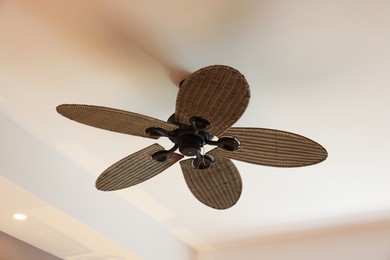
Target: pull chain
[203, 153]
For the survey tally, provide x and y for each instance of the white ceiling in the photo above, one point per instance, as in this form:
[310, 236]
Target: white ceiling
[317, 68]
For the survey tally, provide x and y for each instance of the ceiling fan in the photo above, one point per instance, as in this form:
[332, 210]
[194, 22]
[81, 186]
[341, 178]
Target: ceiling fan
[209, 102]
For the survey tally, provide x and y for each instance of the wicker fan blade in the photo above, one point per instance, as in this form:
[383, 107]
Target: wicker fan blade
[219, 186]
[217, 93]
[274, 148]
[112, 119]
[134, 169]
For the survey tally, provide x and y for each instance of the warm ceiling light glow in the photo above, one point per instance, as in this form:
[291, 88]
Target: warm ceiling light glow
[19, 216]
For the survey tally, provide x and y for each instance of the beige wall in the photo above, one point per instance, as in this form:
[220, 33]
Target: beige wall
[369, 241]
[15, 249]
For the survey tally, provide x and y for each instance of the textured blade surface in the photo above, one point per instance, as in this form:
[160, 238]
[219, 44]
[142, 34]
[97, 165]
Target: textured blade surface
[217, 93]
[134, 169]
[112, 119]
[219, 186]
[274, 148]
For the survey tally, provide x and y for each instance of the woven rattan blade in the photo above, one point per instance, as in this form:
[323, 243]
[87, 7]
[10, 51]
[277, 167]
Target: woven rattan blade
[134, 169]
[274, 148]
[217, 93]
[112, 119]
[219, 186]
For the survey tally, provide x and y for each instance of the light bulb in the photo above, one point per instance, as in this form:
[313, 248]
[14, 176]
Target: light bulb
[19, 216]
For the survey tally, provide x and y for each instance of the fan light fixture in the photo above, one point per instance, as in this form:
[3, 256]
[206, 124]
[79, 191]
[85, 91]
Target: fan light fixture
[208, 103]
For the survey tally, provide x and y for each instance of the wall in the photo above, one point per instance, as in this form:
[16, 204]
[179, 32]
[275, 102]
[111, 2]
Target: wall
[15, 249]
[368, 241]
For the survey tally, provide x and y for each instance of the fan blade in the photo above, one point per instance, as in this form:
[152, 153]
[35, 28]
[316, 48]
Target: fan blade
[274, 148]
[112, 119]
[219, 94]
[219, 186]
[134, 169]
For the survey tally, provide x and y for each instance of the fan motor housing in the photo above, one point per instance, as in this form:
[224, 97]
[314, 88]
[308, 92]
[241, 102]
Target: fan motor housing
[190, 144]
[190, 139]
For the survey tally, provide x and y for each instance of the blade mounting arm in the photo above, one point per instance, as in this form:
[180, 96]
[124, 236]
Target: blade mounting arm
[163, 155]
[157, 132]
[226, 143]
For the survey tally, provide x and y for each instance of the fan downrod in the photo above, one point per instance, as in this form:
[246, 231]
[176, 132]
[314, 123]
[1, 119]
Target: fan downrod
[190, 139]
